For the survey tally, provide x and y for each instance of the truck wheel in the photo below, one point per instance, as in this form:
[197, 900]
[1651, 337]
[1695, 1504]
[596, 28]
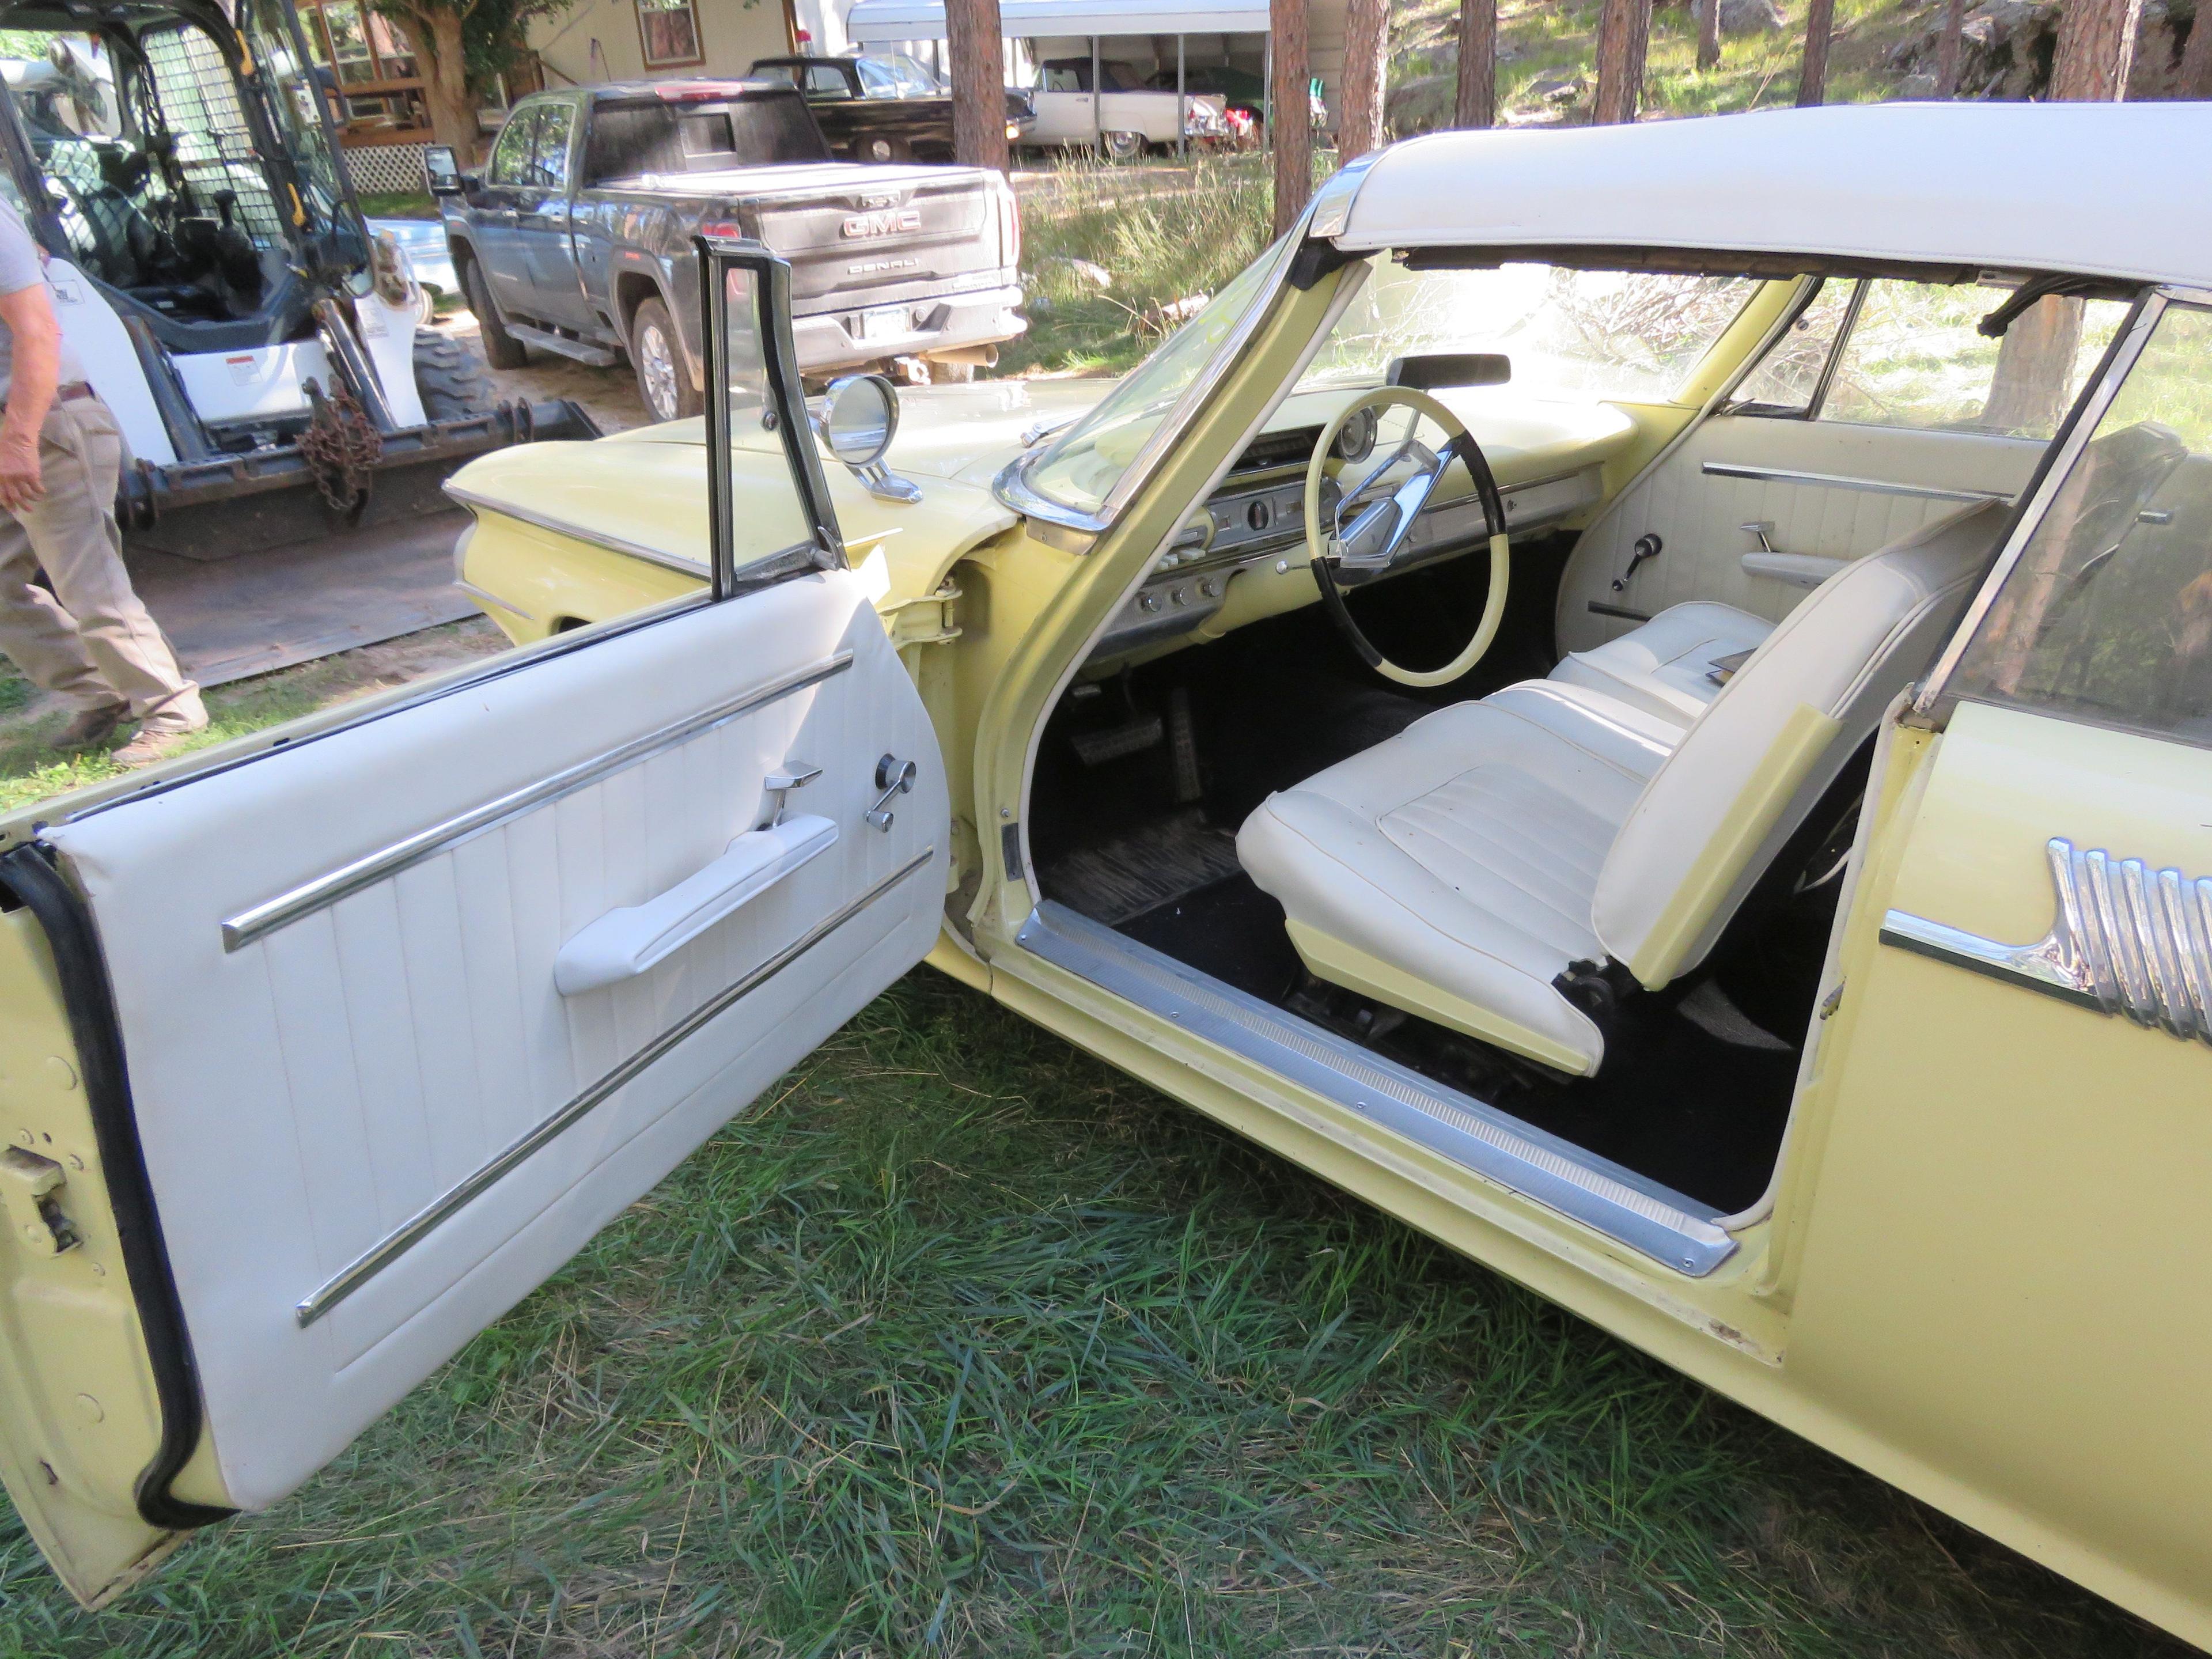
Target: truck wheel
[502, 350]
[664, 378]
[1124, 146]
[449, 377]
[884, 149]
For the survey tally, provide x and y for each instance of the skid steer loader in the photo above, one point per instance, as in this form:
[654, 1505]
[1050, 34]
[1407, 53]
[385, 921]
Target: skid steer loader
[261, 348]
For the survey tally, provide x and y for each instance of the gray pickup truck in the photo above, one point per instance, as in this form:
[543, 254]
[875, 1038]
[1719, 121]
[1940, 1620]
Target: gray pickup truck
[576, 237]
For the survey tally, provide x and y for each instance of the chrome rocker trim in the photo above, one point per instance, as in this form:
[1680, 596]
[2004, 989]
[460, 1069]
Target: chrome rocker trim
[412, 1231]
[366, 871]
[1672, 1230]
[2126, 939]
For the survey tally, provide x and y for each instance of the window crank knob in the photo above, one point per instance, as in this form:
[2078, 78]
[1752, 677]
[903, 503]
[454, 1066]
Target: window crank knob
[893, 777]
[1648, 546]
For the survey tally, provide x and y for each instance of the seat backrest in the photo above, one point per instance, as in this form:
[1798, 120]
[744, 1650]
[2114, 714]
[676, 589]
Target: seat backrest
[1751, 767]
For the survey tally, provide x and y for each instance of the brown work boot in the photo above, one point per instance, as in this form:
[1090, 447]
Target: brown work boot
[89, 727]
[158, 739]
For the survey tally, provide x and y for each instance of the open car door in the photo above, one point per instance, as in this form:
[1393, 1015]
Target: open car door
[367, 1033]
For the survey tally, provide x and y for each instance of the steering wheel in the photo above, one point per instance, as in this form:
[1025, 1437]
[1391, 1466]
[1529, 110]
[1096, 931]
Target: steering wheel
[1381, 523]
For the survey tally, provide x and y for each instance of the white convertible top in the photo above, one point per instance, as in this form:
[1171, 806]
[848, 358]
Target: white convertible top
[2106, 190]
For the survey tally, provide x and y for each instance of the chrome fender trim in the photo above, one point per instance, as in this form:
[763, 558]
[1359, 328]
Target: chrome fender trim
[2126, 939]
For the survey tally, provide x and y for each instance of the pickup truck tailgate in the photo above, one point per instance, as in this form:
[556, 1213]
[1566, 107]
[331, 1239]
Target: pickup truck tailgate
[896, 232]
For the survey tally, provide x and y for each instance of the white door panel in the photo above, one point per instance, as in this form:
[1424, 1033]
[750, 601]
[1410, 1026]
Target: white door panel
[381, 1106]
[1842, 491]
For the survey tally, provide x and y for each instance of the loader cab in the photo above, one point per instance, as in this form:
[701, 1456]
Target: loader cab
[182, 165]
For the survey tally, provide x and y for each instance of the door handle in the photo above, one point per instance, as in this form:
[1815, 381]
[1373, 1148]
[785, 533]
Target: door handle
[625, 942]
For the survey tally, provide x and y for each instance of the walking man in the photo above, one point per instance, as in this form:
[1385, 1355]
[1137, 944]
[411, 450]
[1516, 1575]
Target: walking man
[89, 639]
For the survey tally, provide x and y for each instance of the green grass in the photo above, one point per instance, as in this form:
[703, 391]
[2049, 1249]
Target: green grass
[1161, 233]
[964, 1343]
[398, 205]
[1546, 40]
[31, 770]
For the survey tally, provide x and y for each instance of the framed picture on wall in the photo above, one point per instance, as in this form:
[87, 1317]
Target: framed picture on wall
[668, 30]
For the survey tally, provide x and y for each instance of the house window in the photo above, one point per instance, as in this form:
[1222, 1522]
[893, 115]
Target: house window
[669, 32]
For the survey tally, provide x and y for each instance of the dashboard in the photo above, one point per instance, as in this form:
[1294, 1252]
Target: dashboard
[1253, 526]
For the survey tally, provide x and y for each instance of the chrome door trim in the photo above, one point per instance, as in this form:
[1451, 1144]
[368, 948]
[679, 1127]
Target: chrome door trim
[1839, 481]
[2074, 438]
[476, 502]
[366, 871]
[412, 1231]
[2125, 939]
[1673, 1231]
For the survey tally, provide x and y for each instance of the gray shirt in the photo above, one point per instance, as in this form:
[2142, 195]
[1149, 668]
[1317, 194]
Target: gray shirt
[21, 264]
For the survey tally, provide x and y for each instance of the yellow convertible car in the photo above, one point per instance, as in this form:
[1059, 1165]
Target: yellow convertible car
[1640, 698]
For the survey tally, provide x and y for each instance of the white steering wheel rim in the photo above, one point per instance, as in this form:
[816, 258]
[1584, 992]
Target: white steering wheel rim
[1493, 605]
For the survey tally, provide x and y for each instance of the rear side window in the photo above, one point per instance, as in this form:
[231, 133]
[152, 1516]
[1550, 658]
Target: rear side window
[1912, 356]
[2107, 615]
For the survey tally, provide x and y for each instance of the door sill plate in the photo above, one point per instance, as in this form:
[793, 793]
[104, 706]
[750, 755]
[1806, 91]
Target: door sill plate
[1673, 1231]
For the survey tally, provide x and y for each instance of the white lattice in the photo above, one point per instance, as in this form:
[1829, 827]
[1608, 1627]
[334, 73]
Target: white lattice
[380, 170]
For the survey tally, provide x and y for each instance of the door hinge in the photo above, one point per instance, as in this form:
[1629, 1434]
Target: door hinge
[927, 620]
[31, 1186]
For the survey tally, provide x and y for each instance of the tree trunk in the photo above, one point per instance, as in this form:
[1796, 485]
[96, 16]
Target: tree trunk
[1359, 113]
[973, 42]
[1709, 32]
[2096, 49]
[1947, 53]
[2197, 56]
[1624, 33]
[1474, 102]
[1624, 30]
[1290, 130]
[1819, 26]
[434, 32]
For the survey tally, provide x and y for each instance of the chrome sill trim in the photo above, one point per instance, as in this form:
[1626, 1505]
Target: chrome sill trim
[325, 891]
[410, 1232]
[546, 521]
[1669, 1228]
[1839, 481]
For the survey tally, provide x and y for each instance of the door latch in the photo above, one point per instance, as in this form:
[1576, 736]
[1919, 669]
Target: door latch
[893, 777]
[1648, 546]
[780, 784]
[30, 1187]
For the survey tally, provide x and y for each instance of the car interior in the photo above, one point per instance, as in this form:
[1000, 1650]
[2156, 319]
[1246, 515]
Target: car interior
[1590, 883]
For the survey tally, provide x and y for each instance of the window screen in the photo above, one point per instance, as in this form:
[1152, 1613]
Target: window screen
[199, 106]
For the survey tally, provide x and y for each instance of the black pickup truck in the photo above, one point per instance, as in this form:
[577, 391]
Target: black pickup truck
[576, 237]
[882, 106]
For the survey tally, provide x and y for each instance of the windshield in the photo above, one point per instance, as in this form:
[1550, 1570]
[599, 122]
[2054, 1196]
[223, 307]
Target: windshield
[1627, 335]
[1081, 466]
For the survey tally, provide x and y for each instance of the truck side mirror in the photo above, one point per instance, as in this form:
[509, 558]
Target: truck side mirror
[442, 171]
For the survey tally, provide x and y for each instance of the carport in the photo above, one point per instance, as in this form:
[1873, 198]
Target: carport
[1230, 30]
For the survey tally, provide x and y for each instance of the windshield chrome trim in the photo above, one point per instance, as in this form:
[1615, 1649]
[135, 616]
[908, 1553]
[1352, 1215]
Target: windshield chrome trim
[2061, 457]
[1012, 487]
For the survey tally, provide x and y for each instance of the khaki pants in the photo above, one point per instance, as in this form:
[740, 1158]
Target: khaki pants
[90, 639]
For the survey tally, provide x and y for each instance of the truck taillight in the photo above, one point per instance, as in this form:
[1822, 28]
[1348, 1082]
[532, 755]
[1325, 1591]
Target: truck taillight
[729, 228]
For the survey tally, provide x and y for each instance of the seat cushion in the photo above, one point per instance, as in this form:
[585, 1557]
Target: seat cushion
[1666, 666]
[1449, 871]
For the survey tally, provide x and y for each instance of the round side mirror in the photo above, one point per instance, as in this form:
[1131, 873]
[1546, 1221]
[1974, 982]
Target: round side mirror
[860, 417]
